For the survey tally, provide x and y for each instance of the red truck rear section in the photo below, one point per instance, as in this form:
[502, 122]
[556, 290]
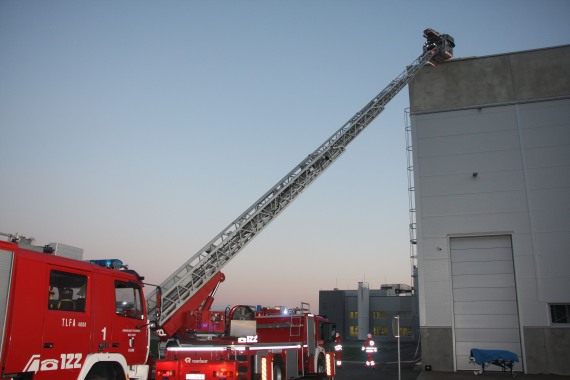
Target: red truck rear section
[261, 343]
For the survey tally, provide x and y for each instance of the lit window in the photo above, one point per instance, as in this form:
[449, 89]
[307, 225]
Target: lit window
[380, 315]
[405, 331]
[380, 330]
[353, 315]
[353, 330]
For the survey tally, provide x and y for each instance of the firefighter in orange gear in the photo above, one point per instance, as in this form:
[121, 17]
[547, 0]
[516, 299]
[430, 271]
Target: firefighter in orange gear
[370, 348]
[338, 349]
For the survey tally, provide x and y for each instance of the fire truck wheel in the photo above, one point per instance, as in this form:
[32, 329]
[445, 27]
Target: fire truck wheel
[105, 371]
[278, 373]
[243, 313]
[321, 366]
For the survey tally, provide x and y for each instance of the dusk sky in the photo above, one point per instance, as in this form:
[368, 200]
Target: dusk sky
[140, 129]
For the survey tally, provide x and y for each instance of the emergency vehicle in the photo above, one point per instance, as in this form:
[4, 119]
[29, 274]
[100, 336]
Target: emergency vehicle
[258, 343]
[63, 318]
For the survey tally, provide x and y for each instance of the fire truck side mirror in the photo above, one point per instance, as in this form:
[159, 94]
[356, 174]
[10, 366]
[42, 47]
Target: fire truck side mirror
[158, 304]
[154, 320]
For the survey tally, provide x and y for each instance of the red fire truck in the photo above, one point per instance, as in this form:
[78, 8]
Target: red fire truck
[63, 318]
[248, 342]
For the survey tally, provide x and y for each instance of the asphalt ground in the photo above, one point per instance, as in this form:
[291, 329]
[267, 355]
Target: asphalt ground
[386, 359]
[410, 367]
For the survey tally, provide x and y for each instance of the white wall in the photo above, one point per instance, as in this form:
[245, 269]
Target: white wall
[521, 154]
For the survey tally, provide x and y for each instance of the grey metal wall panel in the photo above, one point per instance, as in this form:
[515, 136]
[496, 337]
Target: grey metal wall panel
[464, 183]
[475, 307]
[489, 294]
[557, 156]
[437, 270]
[522, 245]
[440, 291]
[557, 289]
[547, 136]
[557, 198]
[484, 281]
[476, 142]
[487, 335]
[485, 321]
[556, 265]
[504, 160]
[551, 220]
[475, 203]
[547, 177]
[463, 122]
[438, 314]
[552, 242]
[541, 114]
[445, 225]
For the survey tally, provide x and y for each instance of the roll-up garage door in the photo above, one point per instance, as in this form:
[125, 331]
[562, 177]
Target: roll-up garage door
[484, 297]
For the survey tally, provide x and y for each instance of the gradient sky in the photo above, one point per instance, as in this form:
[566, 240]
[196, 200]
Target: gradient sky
[140, 129]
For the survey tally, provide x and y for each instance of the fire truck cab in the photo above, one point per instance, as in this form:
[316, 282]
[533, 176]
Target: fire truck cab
[69, 319]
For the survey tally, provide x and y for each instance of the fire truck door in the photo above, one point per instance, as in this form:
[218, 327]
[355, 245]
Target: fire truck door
[103, 311]
[118, 324]
[311, 335]
[130, 330]
[66, 330]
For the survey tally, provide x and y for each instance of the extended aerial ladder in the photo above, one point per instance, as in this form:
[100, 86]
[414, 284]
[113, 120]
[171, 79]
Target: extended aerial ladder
[192, 286]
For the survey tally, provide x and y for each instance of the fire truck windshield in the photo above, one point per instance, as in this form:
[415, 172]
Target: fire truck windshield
[128, 300]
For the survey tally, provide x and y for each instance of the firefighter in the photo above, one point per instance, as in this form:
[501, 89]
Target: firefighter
[66, 300]
[338, 349]
[370, 348]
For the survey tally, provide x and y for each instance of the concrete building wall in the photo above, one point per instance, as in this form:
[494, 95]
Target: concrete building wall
[333, 305]
[491, 145]
[344, 307]
[498, 79]
[363, 298]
